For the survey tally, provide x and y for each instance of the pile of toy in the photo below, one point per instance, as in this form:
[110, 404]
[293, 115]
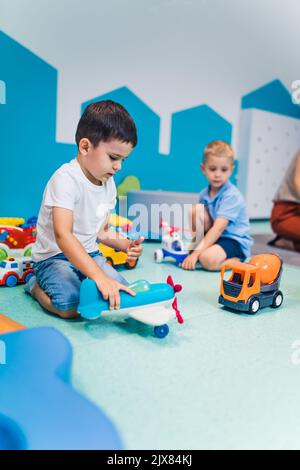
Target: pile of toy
[16, 240]
[245, 287]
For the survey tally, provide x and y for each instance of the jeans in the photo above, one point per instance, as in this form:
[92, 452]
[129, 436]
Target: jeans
[61, 280]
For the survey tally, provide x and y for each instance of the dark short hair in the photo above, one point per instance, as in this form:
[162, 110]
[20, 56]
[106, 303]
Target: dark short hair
[104, 121]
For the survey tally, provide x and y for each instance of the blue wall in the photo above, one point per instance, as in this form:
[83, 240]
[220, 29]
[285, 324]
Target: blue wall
[30, 153]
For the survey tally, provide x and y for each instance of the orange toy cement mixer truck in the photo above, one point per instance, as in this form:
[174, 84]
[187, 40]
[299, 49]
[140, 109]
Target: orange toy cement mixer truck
[253, 285]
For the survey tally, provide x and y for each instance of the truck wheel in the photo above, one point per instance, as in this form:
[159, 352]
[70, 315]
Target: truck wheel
[131, 264]
[277, 299]
[27, 277]
[11, 280]
[158, 256]
[110, 262]
[254, 306]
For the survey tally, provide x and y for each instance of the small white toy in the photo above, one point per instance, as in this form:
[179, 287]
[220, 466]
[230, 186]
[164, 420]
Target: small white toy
[173, 245]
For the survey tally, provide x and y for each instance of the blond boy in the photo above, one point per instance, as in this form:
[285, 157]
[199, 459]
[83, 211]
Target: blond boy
[220, 215]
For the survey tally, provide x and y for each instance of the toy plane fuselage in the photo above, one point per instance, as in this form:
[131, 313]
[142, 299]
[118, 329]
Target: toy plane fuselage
[152, 307]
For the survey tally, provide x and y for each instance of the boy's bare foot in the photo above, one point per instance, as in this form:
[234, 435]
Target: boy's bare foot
[279, 242]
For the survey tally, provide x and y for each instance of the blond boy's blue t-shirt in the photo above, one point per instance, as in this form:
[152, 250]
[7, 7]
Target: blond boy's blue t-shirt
[229, 204]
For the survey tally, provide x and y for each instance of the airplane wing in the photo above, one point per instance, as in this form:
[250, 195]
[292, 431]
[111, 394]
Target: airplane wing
[155, 316]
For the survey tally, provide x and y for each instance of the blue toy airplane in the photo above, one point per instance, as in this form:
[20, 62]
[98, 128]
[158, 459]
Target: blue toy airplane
[153, 304]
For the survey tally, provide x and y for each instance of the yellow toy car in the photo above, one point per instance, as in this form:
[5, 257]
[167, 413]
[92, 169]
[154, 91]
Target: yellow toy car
[115, 257]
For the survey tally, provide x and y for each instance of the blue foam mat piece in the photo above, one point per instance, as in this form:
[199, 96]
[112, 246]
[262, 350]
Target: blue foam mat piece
[39, 409]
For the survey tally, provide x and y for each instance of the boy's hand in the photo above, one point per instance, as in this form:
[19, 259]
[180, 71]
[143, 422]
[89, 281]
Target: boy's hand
[190, 261]
[135, 249]
[110, 289]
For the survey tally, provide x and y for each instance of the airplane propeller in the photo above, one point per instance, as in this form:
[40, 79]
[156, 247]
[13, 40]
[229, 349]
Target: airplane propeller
[176, 288]
[171, 229]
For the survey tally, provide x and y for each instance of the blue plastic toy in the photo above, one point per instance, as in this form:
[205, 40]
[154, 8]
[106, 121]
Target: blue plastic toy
[39, 409]
[32, 221]
[153, 304]
[173, 245]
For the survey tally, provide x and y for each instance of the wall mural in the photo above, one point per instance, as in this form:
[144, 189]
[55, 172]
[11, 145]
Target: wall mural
[30, 152]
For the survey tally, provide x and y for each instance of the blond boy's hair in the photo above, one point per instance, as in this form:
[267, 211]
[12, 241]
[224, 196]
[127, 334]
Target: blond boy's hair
[218, 148]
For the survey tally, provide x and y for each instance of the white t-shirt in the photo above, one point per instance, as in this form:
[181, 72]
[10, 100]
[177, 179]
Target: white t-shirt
[69, 188]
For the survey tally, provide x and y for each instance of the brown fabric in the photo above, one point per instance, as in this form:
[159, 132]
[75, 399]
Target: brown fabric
[285, 221]
[287, 190]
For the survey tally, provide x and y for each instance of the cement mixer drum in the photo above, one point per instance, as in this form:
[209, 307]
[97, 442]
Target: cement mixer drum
[269, 265]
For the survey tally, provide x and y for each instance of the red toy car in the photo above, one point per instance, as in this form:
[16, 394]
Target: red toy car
[16, 241]
[15, 271]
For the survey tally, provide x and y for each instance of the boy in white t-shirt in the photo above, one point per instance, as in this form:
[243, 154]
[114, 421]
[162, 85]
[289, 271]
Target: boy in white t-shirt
[74, 211]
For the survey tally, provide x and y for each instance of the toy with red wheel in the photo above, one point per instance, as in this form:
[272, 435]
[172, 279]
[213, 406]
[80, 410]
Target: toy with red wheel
[15, 271]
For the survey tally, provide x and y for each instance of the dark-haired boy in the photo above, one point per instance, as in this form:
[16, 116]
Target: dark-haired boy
[74, 211]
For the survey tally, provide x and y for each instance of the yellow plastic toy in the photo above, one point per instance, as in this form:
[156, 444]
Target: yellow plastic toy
[13, 221]
[115, 257]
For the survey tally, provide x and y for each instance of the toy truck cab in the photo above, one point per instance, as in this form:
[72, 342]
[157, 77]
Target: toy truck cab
[15, 271]
[253, 285]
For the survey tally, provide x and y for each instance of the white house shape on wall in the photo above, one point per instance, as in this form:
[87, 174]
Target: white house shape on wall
[266, 144]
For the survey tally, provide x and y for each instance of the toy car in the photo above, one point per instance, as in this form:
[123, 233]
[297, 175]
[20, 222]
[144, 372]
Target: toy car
[16, 241]
[252, 285]
[15, 271]
[31, 222]
[173, 245]
[154, 304]
[116, 258]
